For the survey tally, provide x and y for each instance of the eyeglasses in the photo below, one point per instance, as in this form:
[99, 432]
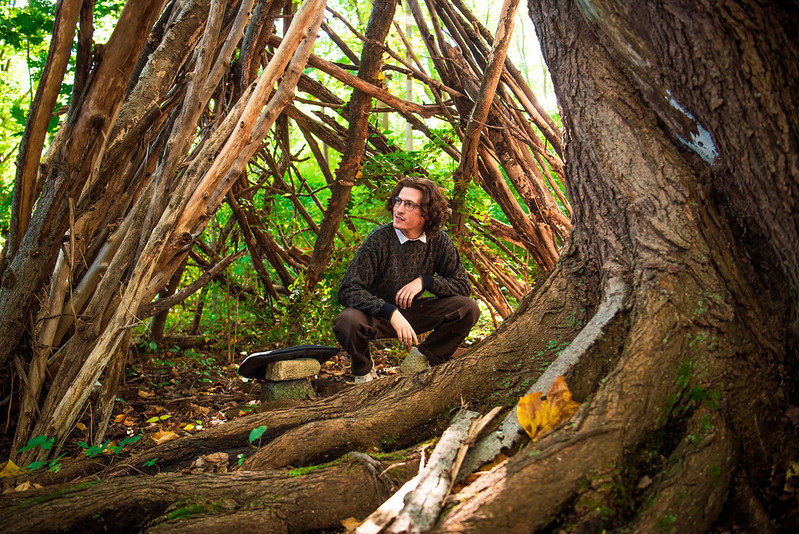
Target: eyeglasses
[410, 206]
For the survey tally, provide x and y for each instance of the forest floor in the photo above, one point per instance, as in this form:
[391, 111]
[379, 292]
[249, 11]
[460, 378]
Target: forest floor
[170, 393]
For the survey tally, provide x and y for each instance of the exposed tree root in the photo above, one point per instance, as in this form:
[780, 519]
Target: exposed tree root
[233, 502]
[510, 432]
[556, 478]
[689, 492]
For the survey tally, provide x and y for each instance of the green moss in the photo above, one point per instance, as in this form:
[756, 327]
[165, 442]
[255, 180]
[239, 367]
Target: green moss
[714, 475]
[666, 523]
[394, 455]
[33, 501]
[187, 509]
[684, 373]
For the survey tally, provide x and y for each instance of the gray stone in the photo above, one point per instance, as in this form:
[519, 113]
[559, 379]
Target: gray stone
[292, 369]
[287, 389]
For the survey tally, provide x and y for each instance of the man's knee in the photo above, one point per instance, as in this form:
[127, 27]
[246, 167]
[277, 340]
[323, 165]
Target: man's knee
[348, 319]
[469, 310]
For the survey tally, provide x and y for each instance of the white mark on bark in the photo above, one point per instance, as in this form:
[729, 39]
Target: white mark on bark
[701, 141]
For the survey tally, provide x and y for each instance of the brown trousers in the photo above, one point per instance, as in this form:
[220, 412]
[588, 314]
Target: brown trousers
[449, 318]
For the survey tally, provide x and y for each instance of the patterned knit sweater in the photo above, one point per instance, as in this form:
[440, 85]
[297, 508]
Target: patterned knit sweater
[382, 265]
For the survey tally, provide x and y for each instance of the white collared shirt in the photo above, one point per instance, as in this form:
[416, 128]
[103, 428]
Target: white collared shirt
[403, 238]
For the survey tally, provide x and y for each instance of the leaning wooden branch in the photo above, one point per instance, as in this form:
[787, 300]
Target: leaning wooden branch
[29, 158]
[357, 83]
[148, 310]
[485, 98]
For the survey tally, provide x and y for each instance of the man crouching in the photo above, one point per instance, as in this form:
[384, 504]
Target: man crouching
[392, 267]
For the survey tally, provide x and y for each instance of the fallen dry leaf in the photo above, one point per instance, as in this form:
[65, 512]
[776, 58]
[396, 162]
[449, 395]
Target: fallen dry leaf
[350, 523]
[162, 436]
[11, 470]
[216, 458]
[537, 415]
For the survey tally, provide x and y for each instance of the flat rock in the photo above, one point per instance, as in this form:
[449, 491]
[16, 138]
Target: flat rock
[287, 389]
[292, 369]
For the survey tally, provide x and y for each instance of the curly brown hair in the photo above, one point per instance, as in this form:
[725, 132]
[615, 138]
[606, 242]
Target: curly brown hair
[434, 205]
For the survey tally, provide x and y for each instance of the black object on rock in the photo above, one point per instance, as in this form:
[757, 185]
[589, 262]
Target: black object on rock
[254, 366]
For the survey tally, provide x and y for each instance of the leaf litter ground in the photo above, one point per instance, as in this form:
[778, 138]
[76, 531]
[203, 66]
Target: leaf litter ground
[168, 394]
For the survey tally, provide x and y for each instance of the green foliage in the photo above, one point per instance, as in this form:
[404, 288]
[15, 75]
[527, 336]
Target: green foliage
[25, 33]
[186, 510]
[44, 443]
[256, 433]
[158, 418]
[28, 26]
[95, 450]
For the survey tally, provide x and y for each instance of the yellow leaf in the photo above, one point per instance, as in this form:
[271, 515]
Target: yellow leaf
[350, 523]
[11, 470]
[162, 436]
[562, 407]
[537, 415]
[529, 411]
[188, 426]
[81, 426]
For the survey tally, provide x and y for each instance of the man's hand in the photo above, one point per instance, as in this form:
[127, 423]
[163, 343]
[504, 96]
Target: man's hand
[407, 292]
[405, 332]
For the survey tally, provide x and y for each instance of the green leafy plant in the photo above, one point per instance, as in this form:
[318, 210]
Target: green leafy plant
[256, 433]
[158, 418]
[44, 443]
[96, 450]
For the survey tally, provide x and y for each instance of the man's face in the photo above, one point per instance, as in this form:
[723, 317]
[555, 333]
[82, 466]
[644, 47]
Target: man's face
[409, 220]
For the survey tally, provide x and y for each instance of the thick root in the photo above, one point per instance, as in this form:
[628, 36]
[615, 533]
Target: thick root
[690, 491]
[296, 501]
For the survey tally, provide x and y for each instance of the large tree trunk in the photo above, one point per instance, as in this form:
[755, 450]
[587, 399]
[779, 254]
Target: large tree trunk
[654, 158]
